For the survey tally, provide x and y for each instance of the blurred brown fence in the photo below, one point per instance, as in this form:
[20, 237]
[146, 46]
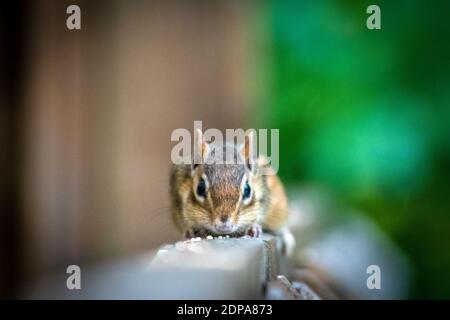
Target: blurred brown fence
[87, 118]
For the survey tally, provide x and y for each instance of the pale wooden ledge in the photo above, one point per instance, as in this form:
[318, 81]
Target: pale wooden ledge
[226, 268]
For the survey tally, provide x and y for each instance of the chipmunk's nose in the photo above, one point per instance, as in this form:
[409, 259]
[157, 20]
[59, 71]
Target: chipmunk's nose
[224, 225]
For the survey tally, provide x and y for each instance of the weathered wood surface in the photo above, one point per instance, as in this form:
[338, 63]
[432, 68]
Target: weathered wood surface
[219, 268]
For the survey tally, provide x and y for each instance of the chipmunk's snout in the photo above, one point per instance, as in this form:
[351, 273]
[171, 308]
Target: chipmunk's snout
[224, 225]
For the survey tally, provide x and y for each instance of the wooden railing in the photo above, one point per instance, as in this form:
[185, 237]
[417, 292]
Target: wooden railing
[219, 268]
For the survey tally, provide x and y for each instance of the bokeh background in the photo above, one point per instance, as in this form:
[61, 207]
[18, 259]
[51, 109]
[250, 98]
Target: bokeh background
[86, 118]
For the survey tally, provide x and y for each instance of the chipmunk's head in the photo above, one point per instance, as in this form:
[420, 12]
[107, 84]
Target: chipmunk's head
[225, 192]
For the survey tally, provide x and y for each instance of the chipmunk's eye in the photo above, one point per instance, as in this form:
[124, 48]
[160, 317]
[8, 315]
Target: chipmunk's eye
[247, 191]
[201, 188]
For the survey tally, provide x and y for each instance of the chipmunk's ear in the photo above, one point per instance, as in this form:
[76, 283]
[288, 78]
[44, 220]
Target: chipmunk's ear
[201, 148]
[249, 150]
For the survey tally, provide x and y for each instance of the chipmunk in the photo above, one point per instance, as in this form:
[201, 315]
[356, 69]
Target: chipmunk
[235, 199]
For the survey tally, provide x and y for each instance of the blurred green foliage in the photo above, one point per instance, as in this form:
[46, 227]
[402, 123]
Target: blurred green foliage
[366, 113]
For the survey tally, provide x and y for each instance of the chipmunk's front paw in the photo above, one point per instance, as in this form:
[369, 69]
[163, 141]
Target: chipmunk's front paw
[193, 233]
[254, 231]
[188, 234]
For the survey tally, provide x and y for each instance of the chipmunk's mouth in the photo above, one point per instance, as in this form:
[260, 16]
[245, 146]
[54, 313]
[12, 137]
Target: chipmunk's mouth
[224, 228]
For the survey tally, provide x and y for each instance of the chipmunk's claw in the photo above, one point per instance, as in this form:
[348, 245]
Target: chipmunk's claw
[188, 234]
[254, 231]
[194, 233]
